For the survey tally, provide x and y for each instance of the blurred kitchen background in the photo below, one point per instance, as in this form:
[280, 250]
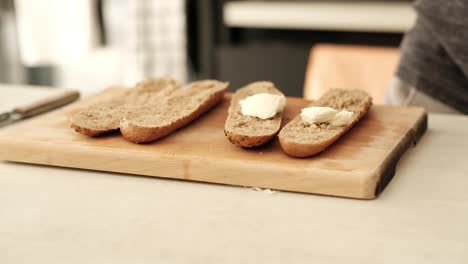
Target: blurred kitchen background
[91, 44]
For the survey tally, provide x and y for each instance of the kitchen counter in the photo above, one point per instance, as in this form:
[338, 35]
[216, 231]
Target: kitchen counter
[59, 215]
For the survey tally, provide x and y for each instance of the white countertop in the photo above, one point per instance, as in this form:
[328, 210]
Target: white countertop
[58, 215]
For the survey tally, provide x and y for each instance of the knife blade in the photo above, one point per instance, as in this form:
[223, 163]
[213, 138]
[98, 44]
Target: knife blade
[38, 107]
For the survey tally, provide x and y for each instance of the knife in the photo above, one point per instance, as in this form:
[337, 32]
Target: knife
[38, 107]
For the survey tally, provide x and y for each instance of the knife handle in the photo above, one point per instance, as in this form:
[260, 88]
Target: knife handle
[47, 104]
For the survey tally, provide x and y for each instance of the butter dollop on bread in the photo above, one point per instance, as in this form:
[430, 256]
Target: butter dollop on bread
[245, 130]
[301, 138]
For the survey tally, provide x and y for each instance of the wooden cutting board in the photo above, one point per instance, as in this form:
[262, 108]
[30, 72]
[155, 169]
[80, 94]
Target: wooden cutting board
[359, 165]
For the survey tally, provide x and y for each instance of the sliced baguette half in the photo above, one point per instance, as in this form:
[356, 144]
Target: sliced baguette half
[105, 116]
[160, 118]
[249, 131]
[300, 139]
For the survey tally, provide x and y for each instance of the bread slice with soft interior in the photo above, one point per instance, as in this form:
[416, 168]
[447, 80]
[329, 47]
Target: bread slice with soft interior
[158, 118]
[302, 139]
[103, 117]
[98, 119]
[249, 131]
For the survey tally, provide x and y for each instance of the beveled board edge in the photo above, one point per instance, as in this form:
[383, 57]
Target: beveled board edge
[411, 138]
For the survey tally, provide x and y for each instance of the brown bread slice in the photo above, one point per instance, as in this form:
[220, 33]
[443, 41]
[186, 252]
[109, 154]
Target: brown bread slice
[105, 116]
[300, 139]
[156, 120]
[249, 131]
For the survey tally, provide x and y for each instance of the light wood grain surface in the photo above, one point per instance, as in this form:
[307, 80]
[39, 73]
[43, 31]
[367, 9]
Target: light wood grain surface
[58, 215]
[358, 165]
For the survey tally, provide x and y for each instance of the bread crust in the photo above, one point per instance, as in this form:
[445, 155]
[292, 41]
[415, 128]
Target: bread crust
[248, 141]
[88, 131]
[242, 139]
[299, 149]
